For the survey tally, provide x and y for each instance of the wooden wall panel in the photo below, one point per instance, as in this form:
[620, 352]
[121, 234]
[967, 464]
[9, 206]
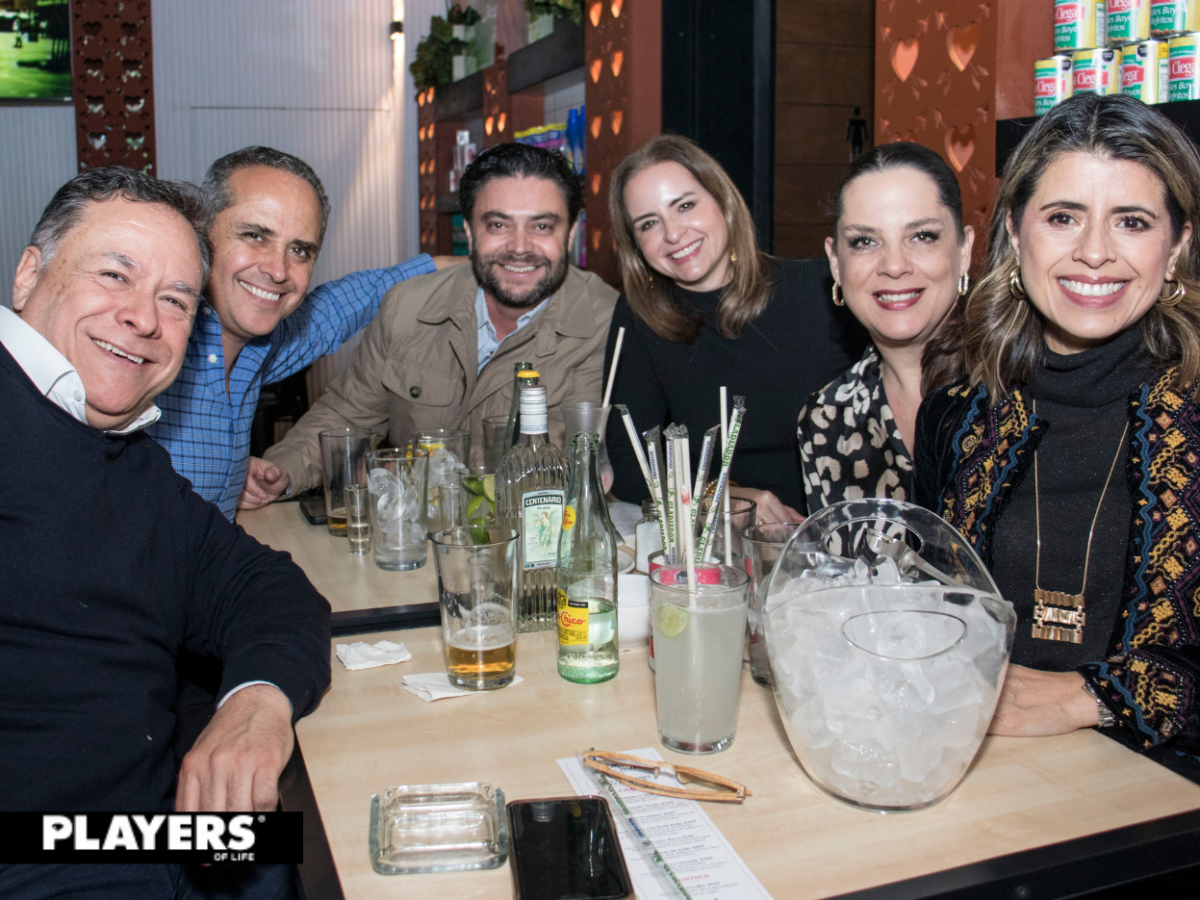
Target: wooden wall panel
[824, 68]
[114, 84]
[945, 73]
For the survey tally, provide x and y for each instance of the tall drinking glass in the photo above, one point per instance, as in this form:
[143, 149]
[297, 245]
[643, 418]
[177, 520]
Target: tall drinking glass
[761, 546]
[742, 514]
[588, 415]
[477, 586]
[495, 441]
[449, 452]
[342, 453]
[698, 638]
[397, 481]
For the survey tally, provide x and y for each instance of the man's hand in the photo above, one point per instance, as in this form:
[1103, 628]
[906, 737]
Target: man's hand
[264, 482]
[235, 763]
[771, 510]
[1035, 703]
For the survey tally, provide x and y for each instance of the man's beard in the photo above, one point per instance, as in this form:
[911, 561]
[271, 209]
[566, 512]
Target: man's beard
[556, 274]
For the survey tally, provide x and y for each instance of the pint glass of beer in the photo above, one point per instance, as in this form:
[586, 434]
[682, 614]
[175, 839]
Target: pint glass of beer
[477, 585]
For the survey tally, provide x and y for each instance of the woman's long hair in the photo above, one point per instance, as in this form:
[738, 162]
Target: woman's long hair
[1004, 341]
[656, 299]
[942, 359]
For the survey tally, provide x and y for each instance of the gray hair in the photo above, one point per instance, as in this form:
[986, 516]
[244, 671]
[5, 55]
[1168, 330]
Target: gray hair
[101, 184]
[216, 179]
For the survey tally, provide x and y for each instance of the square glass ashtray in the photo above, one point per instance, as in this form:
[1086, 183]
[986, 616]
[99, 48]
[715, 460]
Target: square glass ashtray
[437, 828]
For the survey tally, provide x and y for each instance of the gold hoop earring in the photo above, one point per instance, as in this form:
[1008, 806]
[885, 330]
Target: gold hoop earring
[733, 256]
[837, 295]
[1176, 295]
[964, 284]
[1015, 285]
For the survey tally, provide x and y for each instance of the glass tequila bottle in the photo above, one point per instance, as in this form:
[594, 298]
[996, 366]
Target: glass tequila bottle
[531, 486]
[523, 376]
[587, 572]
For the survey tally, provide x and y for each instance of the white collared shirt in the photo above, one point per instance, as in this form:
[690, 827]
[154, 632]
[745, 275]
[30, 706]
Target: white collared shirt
[52, 373]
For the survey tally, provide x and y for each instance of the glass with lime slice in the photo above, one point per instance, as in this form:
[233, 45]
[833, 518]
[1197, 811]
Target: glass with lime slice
[479, 493]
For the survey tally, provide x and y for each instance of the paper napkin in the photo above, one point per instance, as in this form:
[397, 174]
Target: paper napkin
[362, 655]
[437, 686]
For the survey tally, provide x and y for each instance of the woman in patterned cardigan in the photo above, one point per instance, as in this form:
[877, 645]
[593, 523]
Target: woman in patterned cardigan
[899, 258]
[1070, 455]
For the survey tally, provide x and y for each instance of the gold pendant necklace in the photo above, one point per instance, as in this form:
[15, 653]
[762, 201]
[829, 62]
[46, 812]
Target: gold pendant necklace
[1058, 616]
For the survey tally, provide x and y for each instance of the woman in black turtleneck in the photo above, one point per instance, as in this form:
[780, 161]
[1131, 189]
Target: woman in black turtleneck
[703, 308]
[1070, 455]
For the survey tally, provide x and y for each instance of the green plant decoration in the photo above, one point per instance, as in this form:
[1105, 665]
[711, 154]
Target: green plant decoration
[434, 63]
[572, 9]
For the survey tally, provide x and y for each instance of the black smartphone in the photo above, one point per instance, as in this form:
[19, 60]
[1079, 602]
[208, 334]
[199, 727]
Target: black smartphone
[314, 509]
[566, 847]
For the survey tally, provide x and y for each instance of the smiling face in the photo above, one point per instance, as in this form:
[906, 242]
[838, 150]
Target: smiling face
[1095, 246]
[678, 226]
[898, 255]
[518, 237]
[117, 300]
[264, 249]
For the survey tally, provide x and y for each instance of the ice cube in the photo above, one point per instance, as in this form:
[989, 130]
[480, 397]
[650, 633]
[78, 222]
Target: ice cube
[381, 481]
[918, 758]
[955, 685]
[865, 761]
[809, 725]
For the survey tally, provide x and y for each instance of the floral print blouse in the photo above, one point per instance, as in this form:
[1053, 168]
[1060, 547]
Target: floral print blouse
[850, 447]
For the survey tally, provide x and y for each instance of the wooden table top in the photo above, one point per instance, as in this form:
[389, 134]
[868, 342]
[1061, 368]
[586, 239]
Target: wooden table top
[349, 583]
[1021, 793]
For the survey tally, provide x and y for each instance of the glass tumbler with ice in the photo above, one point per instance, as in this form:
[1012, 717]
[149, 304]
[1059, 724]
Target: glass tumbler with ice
[396, 479]
[885, 677]
[449, 452]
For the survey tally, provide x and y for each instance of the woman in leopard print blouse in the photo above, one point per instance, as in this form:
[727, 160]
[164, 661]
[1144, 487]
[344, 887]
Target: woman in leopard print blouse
[899, 258]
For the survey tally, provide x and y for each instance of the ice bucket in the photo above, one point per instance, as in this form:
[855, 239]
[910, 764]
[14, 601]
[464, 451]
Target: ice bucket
[888, 642]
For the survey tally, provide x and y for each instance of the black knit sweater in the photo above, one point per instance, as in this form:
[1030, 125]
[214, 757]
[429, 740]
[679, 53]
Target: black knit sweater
[799, 344]
[110, 565]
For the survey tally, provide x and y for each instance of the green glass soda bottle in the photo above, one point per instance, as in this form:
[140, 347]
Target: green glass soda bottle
[587, 572]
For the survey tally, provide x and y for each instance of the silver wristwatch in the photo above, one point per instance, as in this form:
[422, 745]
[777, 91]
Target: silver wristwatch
[1104, 714]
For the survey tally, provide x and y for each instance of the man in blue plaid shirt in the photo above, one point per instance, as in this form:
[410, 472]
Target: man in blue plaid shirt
[255, 327]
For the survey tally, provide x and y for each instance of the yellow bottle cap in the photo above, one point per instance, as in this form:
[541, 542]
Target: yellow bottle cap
[528, 373]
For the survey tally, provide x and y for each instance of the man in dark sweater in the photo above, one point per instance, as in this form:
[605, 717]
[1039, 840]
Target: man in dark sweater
[111, 564]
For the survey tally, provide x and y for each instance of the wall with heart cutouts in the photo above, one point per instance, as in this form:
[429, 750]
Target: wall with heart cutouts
[946, 70]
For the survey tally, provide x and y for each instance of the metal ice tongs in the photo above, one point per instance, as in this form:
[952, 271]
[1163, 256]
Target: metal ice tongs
[881, 545]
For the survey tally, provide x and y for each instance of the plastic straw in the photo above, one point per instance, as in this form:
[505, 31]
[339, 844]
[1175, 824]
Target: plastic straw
[660, 493]
[725, 496]
[654, 859]
[683, 473]
[735, 426]
[706, 454]
[612, 369]
[672, 498]
[651, 484]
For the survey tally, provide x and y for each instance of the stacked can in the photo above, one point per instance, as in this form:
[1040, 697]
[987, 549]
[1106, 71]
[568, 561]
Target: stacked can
[1095, 71]
[1184, 67]
[1169, 17]
[1078, 25]
[1145, 71]
[1051, 82]
[1128, 21]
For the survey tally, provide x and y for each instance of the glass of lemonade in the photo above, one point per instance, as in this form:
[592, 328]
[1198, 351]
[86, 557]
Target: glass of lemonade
[698, 640]
[477, 588]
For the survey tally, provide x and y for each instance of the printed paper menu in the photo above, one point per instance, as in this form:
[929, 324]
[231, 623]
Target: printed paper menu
[691, 845]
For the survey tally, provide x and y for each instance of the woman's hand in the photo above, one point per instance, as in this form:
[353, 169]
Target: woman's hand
[771, 510]
[1035, 703]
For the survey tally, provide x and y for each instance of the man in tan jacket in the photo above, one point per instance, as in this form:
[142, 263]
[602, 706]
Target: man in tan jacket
[441, 350]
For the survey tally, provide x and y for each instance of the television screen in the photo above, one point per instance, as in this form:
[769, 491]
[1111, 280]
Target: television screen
[35, 50]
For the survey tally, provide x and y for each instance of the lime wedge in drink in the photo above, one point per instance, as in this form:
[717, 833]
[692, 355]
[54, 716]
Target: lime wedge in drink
[478, 507]
[489, 487]
[479, 530]
[473, 484]
[671, 620]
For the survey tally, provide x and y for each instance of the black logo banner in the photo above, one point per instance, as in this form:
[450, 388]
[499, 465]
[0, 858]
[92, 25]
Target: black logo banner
[184, 838]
